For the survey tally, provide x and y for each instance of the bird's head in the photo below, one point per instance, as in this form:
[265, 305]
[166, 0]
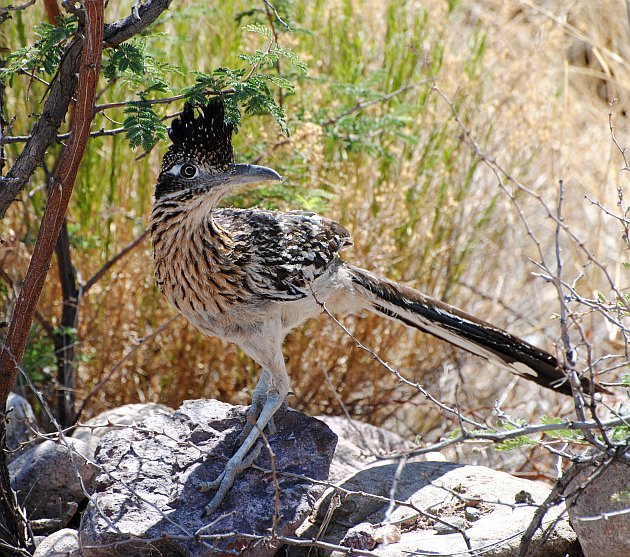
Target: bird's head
[200, 161]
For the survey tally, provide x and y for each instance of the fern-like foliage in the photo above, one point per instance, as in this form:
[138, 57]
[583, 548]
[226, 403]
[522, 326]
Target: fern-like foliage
[516, 443]
[142, 125]
[126, 57]
[44, 55]
[251, 90]
[365, 121]
[132, 65]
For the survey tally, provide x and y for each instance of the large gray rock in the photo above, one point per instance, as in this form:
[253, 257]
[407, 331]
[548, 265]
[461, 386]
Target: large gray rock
[21, 426]
[51, 480]
[359, 445]
[447, 492]
[92, 431]
[596, 509]
[147, 501]
[63, 543]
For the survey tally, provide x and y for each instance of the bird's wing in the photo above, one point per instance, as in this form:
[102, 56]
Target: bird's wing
[288, 250]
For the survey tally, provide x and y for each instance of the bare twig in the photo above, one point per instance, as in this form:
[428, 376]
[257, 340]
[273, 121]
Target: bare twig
[19, 7]
[360, 105]
[121, 361]
[552, 499]
[111, 262]
[271, 11]
[393, 370]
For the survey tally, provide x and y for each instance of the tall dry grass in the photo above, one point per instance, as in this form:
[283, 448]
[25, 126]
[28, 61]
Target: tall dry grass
[532, 80]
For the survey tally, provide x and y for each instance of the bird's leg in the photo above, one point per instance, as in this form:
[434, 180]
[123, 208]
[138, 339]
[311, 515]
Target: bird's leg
[259, 396]
[245, 455]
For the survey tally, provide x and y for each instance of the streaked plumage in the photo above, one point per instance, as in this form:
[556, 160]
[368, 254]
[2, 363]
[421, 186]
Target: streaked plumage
[250, 276]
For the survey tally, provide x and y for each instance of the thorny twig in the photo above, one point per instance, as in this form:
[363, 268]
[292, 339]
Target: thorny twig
[393, 370]
[606, 445]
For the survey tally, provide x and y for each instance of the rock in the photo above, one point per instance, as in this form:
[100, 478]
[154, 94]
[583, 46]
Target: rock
[48, 480]
[592, 507]
[361, 536]
[148, 486]
[388, 533]
[126, 415]
[524, 497]
[64, 543]
[443, 490]
[359, 444]
[450, 525]
[365, 536]
[472, 514]
[20, 425]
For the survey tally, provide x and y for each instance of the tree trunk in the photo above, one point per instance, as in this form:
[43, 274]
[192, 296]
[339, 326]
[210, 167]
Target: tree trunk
[11, 522]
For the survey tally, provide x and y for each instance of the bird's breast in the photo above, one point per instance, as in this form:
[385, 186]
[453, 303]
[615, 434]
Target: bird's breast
[195, 267]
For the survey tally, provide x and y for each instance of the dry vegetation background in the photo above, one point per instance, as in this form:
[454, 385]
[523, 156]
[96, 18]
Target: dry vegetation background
[532, 80]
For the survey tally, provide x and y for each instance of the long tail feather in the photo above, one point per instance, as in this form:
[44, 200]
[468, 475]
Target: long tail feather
[448, 323]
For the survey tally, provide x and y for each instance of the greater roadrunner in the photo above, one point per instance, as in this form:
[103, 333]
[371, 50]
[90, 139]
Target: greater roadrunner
[249, 276]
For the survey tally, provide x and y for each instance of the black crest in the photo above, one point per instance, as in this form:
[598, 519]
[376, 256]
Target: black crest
[205, 139]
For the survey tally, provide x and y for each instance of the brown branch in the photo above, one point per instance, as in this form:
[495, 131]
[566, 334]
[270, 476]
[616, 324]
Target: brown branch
[270, 11]
[64, 338]
[123, 30]
[165, 100]
[59, 196]
[91, 45]
[50, 331]
[52, 11]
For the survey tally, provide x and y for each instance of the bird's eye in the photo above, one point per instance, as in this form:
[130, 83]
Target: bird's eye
[188, 171]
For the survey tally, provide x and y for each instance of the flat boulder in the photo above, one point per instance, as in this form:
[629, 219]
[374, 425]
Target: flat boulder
[447, 506]
[360, 446]
[93, 430]
[147, 500]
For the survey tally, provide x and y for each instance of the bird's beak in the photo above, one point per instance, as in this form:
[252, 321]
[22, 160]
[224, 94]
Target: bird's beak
[248, 173]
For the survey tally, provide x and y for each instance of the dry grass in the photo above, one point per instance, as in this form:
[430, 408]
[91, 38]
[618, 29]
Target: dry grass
[536, 97]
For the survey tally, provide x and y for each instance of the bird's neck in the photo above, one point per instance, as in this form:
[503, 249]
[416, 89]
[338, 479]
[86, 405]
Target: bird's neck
[171, 220]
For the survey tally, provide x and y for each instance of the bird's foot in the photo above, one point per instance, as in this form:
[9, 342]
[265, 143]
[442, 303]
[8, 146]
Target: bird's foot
[252, 415]
[225, 480]
[245, 455]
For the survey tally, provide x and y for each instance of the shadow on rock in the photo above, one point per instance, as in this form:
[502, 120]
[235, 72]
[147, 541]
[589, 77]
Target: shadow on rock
[147, 501]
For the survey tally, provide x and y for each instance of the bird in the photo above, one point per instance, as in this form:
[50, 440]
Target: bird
[249, 276]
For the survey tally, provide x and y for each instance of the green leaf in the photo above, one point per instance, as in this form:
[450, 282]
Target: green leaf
[44, 55]
[127, 56]
[142, 125]
[260, 30]
[563, 434]
[295, 60]
[620, 434]
[133, 65]
[621, 497]
[516, 443]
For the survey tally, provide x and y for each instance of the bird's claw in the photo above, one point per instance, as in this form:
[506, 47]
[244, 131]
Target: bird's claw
[270, 428]
[213, 485]
[225, 480]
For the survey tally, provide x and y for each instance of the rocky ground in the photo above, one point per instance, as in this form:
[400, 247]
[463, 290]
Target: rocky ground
[126, 483]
